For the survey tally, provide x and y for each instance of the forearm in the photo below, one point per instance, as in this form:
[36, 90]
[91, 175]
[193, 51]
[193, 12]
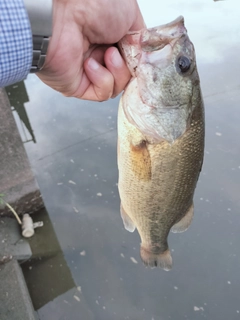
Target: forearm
[25, 28]
[15, 42]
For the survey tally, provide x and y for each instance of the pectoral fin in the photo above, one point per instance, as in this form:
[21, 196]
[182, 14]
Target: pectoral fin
[127, 221]
[185, 222]
[141, 161]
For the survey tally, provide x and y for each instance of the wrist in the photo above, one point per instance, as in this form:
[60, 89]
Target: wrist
[40, 17]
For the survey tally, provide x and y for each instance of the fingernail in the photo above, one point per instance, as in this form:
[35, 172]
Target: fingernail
[93, 64]
[116, 59]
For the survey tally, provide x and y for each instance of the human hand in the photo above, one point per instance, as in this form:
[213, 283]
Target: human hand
[81, 60]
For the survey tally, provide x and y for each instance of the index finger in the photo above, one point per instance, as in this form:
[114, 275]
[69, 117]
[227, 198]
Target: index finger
[139, 21]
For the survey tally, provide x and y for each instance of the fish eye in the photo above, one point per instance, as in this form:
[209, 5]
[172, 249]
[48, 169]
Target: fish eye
[184, 63]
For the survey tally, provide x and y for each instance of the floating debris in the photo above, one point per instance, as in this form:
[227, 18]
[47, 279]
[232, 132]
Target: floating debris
[122, 255]
[218, 134]
[72, 160]
[176, 288]
[76, 298]
[83, 253]
[75, 209]
[99, 194]
[72, 182]
[198, 308]
[59, 183]
[133, 260]
[79, 289]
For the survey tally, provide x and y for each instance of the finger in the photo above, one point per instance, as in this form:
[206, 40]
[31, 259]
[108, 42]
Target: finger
[97, 53]
[97, 84]
[118, 68]
[139, 21]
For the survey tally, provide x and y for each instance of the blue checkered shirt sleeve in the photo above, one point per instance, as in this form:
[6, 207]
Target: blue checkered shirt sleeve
[15, 42]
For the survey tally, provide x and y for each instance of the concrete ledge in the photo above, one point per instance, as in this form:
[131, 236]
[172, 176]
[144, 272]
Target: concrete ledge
[17, 180]
[15, 300]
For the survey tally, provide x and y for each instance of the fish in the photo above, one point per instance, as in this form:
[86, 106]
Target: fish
[160, 137]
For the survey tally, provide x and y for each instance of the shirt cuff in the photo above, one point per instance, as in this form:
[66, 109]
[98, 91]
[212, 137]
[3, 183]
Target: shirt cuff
[15, 42]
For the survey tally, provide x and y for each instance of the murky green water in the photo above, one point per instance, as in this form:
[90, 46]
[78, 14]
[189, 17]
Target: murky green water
[74, 160]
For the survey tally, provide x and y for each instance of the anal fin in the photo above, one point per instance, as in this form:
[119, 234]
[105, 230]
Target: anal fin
[185, 222]
[127, 221]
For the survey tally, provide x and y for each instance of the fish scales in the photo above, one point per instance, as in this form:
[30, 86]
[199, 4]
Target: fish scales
[157, 177]
[169, 193]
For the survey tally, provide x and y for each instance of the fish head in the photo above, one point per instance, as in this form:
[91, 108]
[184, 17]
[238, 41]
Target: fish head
[162, 61]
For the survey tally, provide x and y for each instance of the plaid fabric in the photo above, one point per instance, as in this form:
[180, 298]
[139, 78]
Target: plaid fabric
[15, 42]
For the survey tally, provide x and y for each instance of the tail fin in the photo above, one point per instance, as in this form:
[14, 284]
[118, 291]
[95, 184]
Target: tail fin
[162, 260]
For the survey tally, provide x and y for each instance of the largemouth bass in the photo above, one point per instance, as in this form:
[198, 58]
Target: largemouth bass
[160, 137]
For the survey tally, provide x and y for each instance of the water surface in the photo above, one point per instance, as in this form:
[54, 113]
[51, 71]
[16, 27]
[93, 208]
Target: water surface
[74, 160]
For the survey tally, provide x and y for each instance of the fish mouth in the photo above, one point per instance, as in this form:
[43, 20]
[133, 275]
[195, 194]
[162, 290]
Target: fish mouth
[135, 44]
[177, 23]
[156, 38]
